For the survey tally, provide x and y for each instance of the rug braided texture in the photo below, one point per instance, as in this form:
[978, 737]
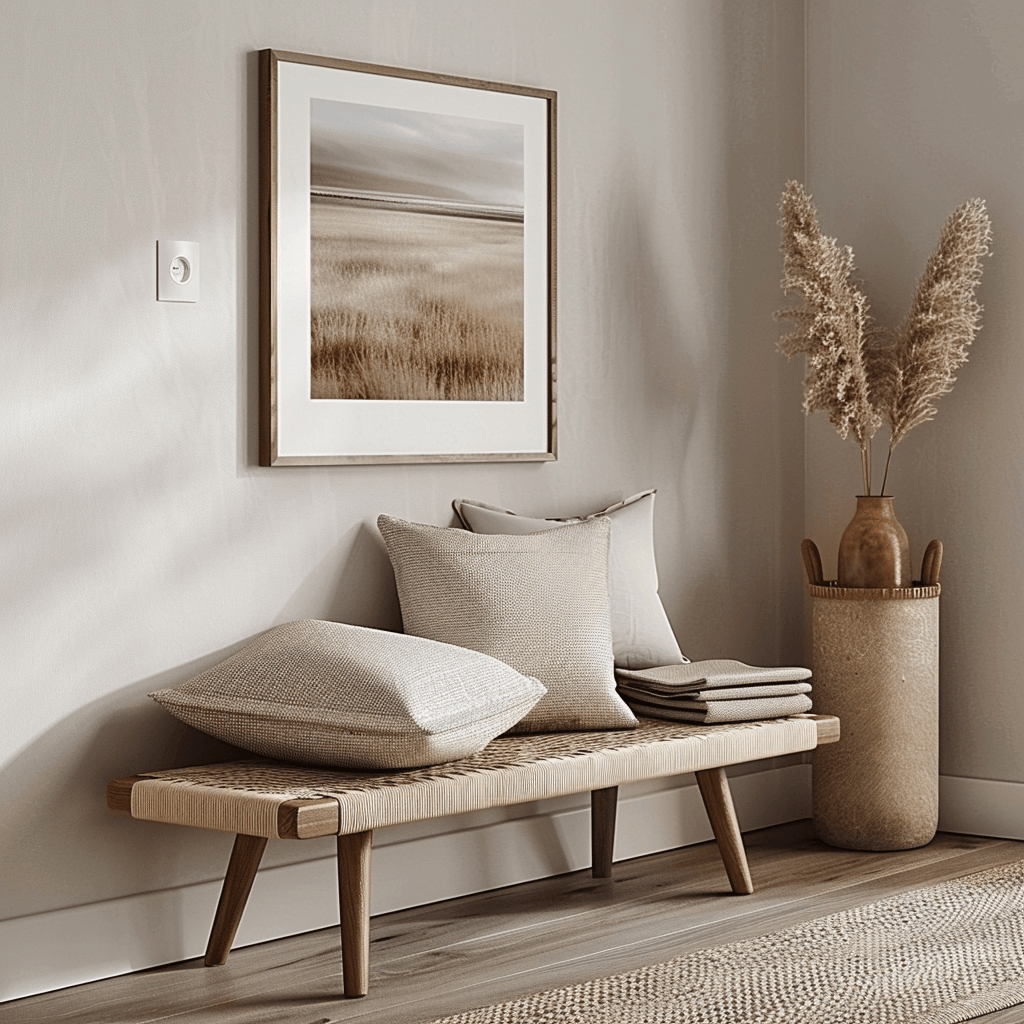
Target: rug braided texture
[938, 955]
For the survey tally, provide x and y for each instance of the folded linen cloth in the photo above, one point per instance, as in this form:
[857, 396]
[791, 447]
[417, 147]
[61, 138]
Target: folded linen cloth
[714, 712]
[707, 675]
[659, 696]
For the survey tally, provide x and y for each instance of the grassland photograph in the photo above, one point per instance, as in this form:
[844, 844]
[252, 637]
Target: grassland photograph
[416, 276]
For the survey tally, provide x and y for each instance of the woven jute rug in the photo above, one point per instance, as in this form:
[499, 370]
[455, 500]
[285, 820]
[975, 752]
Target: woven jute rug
[938, 955]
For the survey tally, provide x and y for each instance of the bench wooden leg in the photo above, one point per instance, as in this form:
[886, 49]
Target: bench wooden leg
[245, 860]
[602, 830]
[354, 891]
[714, 789]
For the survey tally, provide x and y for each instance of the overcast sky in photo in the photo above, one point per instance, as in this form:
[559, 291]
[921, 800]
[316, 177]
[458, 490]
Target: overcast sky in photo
[384, 149]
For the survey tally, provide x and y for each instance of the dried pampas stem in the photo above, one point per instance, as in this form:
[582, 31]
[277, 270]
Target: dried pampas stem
[931, 344]
[833, 324]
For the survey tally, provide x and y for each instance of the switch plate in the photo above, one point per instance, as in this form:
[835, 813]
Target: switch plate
[177, 271]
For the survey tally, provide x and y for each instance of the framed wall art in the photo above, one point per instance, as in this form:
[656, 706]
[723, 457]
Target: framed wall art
[407, 266]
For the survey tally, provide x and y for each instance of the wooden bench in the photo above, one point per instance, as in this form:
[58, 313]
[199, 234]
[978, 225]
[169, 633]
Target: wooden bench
[260, 799]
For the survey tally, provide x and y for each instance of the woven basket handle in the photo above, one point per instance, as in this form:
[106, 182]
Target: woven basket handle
[932, 564]
[812, 561]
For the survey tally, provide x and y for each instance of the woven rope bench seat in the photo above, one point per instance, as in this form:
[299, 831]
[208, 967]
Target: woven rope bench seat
[260, 799]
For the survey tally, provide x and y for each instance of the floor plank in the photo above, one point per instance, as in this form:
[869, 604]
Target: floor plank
[435, 960]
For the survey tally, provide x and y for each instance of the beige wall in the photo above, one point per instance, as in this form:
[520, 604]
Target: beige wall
[912, 108]
[140, 541]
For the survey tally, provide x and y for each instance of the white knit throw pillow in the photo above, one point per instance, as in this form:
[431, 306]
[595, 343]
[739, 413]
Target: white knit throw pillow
[537, 602]
[641, 633]
[343, 696]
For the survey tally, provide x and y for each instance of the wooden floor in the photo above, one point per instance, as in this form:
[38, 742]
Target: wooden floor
[452, 956]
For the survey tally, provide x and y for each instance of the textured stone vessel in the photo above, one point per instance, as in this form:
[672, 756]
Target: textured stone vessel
[875, 659]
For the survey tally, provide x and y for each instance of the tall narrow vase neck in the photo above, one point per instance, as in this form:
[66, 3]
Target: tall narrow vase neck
[880, 502]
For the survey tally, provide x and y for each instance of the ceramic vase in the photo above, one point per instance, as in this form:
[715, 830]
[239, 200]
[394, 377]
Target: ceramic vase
[874, 550]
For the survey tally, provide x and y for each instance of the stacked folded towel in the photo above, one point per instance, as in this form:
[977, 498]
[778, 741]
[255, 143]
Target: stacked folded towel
[710, 692]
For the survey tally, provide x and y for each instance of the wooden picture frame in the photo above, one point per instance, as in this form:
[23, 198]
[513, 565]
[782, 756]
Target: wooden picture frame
[407, 266]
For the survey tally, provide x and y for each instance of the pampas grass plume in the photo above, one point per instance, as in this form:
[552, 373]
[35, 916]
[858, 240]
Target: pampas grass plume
[931, 344]
[833, 323]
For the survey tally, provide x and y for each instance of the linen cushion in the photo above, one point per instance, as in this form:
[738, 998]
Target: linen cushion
[641, 634]
[538, 602]
[344, 696]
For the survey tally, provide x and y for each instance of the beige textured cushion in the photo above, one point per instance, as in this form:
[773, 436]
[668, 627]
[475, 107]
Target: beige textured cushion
[537, 602]
[641, 634]
[344, 696]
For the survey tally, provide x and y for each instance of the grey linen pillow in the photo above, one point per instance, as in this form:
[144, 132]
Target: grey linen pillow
[328, 693]
[642, 636]
[537, 602]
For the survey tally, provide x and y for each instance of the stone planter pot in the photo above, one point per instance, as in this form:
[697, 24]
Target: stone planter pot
[875, 659]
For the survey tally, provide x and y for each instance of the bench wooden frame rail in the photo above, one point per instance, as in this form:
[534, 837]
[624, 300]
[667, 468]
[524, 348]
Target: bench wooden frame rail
[258, 799]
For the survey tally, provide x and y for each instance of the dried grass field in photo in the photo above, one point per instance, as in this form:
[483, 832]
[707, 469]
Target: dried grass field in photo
[409, 305]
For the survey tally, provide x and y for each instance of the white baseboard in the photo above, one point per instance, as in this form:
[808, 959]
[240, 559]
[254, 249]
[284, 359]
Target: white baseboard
[54, 950]
[981, 807]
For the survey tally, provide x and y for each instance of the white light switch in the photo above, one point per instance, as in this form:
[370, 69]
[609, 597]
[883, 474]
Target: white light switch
[177, 271]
